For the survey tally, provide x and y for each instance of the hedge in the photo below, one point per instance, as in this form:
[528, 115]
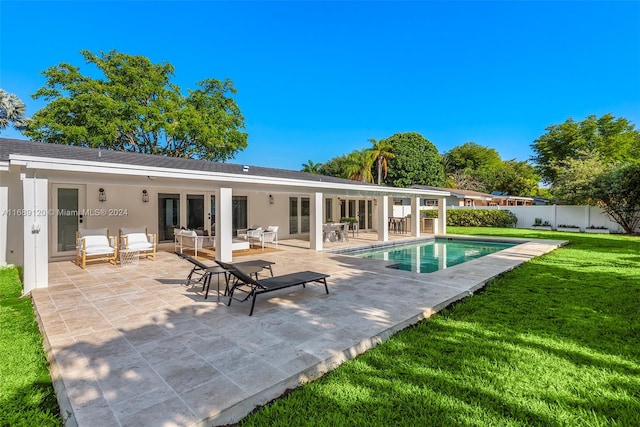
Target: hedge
[476, 217]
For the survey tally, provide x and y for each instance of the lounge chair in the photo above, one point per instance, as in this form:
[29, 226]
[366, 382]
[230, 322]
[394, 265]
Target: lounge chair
[204, 272]
[254, 287]
[139, 240]
[95, 245]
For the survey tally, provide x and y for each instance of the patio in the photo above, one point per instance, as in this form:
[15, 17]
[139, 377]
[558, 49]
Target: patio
[134, 346]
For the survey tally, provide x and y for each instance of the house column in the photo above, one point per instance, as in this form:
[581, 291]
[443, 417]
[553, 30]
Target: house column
[315, 232]
[383, 218]
[224, 225]
[442, 216]
[4, 206]
[35, 232]
[415, 216]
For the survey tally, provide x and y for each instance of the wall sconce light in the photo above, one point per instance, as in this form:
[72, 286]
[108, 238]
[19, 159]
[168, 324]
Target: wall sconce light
[271, 199]
[145, 196]
[102, 196]
[375, 202]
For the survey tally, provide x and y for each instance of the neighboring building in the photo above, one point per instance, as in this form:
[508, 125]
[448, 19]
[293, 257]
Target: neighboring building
[460, 197]
[504, 199]
[49, 191]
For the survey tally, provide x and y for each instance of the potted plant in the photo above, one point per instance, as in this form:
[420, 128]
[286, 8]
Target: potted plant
[596, 230]
[539, 225]
[568, 228]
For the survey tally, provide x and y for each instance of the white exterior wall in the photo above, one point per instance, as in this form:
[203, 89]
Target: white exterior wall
[14, 249]
[4, 206]
[261, 212]
[124, 208]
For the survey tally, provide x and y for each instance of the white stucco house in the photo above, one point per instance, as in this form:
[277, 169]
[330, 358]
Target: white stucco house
[49, 191]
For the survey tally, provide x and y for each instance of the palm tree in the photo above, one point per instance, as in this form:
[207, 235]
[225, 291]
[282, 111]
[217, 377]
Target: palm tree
[12, 111]
[311, 167]
[381, 151]
[358, 165]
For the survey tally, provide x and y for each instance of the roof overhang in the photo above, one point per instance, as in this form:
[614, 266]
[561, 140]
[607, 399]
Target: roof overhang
[220, 179]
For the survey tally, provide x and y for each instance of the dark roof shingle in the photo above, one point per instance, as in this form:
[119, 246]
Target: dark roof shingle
[58, 151]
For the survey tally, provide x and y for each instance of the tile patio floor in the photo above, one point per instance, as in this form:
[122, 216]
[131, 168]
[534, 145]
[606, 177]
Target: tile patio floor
[132, 346]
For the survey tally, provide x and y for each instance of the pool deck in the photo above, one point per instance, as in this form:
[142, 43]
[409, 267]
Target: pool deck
[131, 346]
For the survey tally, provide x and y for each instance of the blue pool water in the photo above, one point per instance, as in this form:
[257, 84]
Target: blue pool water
[430, 256]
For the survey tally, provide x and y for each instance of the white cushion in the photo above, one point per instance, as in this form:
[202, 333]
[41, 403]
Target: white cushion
[83, 232]
[140, 246]
[132, 230]
[96, 245]
[94, 241]
[134, 238]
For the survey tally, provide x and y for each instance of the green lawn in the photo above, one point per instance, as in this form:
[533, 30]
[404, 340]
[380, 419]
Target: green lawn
[26, 394]
[555, 342]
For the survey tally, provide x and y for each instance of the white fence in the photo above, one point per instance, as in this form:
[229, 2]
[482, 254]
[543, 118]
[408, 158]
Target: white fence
[555, 215]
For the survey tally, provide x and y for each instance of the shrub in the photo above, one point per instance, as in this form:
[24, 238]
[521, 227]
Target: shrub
[348, 219]
[431, 213]
[481, 218]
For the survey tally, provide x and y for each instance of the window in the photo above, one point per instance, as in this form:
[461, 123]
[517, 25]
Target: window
[293, 215]
[305, 211]
[328, 210]
[239, 214]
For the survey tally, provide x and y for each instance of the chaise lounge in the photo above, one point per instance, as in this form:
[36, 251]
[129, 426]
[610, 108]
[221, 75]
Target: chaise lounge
[254, 287]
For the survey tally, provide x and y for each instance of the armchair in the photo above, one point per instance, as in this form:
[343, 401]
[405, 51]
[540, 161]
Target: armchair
[138, 239]
[192, 240]
[95, 245]
[262, 237]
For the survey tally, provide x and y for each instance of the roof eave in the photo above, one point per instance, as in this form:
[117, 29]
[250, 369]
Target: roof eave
[45, 163]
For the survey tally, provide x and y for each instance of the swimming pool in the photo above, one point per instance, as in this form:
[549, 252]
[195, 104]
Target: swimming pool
[432, 255]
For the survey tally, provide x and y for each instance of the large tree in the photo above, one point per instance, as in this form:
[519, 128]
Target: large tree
[576, 179]
[613, 139]
[473, 159]
[615, 187]
[334, 167]
[416, 161]
[135, 107]
[467, 166]
[517, 178]
[12, 111]
[618, 193]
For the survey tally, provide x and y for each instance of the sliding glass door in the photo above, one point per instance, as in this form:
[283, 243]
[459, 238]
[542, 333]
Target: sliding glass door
[168, 215]
[239, 214]
[195, 211]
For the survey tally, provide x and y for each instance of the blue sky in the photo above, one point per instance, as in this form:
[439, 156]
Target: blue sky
[318, 79]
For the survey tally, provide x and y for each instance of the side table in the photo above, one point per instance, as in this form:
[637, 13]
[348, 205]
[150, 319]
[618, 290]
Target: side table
[129, 257]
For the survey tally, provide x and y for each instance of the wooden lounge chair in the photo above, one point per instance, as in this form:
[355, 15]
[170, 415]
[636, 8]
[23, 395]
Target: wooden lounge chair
[138, 240]
[95, 245]
[253, 287]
